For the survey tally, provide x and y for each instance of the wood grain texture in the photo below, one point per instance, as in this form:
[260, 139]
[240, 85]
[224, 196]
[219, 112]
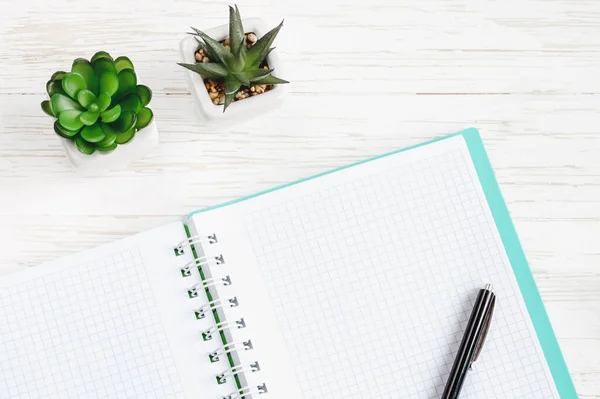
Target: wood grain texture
[367, 77]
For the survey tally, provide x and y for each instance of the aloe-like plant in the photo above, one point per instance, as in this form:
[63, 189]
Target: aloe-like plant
[237, 66]
[99, 104]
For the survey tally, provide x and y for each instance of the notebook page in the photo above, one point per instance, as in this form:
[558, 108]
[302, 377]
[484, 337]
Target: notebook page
[112, 322]
[371, 273]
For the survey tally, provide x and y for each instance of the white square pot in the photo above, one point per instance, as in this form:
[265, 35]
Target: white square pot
[144, 140]
[239, 110]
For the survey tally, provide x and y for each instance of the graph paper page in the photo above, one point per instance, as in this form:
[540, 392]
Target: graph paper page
[371, 273]
[112, 322]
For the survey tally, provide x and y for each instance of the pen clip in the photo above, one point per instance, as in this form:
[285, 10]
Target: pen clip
[484, 332]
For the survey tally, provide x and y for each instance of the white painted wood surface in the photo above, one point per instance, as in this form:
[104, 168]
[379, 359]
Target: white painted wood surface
[368, 77]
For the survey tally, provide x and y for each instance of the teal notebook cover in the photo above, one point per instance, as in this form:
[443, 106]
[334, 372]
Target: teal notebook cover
[512, 246]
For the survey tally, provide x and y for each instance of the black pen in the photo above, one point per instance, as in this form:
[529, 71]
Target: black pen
[472, 342]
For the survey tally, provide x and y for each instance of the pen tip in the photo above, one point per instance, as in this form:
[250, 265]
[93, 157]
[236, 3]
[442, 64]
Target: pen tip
[488, 287]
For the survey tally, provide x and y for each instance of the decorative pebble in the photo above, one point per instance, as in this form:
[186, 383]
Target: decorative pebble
[244, 93]
[251, 37]
[198, 57]
[205, 60]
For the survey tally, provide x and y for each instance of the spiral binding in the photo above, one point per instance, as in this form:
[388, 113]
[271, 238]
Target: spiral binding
[215, 305]
[247, 390]
[202, 262]
[207, 334]
[210, 239]
[225, 349]
[230, 372]
[209, 282]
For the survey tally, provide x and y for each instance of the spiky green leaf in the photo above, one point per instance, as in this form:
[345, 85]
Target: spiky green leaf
[258, 52]
[232, 86]
[239, 63]
[266, 55]
[203, 46]
[236, 30]
[270, 80]
[251, 76]
[210, 70]
[228, 100]
[217, 50]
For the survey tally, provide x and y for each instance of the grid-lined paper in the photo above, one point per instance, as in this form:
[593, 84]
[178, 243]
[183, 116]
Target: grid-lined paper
[372, 277]
[89, 331]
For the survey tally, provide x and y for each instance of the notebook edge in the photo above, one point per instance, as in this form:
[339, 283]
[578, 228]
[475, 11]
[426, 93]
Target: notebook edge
[467, 133]
[520, 266]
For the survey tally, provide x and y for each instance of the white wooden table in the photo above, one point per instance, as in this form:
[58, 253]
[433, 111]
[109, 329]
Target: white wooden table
[368, 77]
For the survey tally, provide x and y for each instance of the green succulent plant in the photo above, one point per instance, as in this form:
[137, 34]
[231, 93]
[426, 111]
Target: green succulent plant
[99, 104]
[237, 66]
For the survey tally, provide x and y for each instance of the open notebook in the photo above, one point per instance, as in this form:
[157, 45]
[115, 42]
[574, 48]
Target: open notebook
[356, 283]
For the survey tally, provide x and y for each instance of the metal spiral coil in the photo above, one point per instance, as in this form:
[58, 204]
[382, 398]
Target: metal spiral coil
[210, 239]
[215, 305]
[202, 262]
[193, 291]
[225, 349]
[248, 390]
[223, 377]
[239, 324]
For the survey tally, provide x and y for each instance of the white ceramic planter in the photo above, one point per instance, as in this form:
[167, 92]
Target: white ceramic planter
[239, 110]
[144, 140]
